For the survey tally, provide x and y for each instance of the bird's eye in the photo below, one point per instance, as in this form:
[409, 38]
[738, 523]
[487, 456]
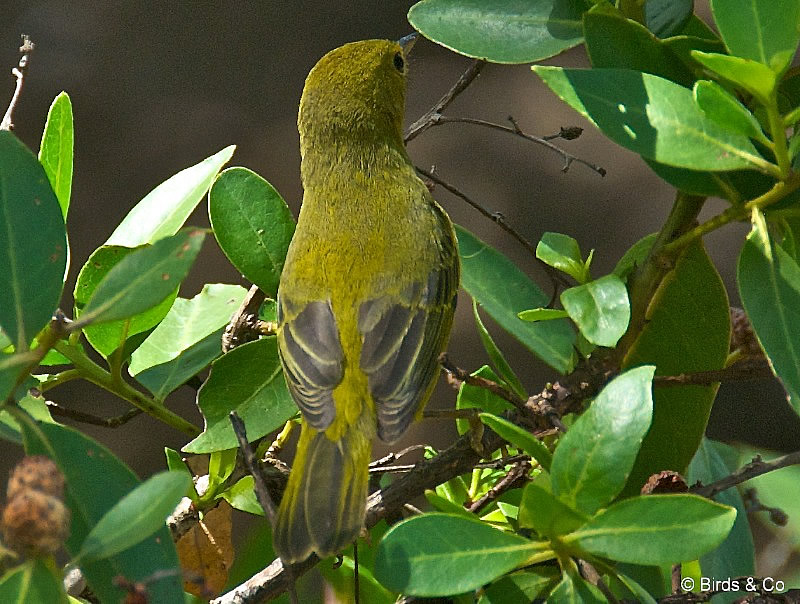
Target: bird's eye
[399, 63]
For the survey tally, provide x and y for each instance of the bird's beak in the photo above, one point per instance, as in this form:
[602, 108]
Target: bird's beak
[407, 42]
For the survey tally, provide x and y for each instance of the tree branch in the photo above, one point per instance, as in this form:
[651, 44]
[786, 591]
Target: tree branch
[19, 73]
[428, 119]
[756, 467]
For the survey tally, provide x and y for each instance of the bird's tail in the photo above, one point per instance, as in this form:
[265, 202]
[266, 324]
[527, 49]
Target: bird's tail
[322, 509]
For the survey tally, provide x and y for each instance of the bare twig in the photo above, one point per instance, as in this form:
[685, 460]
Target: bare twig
[756, 467]
[516, 477]
[260, 485]
[744, 370]
[244, 325]
[556, 277]
[19, 73]
[754, 504]
[88, 418]
[475, 380]
[514, 129]
[427, 120]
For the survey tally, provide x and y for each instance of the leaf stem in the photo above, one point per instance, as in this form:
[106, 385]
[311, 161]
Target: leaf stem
[92, 372]
[778, 134]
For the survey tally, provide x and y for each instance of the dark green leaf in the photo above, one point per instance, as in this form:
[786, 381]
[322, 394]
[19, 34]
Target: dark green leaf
[503, 31]
[635, 256]
[106, 338]
[34, 581]
[690, 310]
[33, 243]
[542, 314]
[520, 438]
[96, 479]
[722, 107]
[187, 340]
[163, 211]
[652, 529]
[653, 117]
[735, 557]
[444, 554]
[252, 224]
[600, 309]
[667, 17]
[55, 150]
[749, 75]
[524, 586]
[497, 358]
[562, 253]
[136, 516]
[614, 41]
[761, 30]
[249, 380]
[769, 285]
[546, 514]
[593, 459]
[144, 278]
[504, 290]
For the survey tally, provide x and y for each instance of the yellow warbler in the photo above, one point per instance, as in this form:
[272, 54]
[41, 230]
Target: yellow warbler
[367, 294]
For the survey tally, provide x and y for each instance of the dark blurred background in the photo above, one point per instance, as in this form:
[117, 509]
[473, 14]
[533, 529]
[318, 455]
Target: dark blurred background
[157, 87]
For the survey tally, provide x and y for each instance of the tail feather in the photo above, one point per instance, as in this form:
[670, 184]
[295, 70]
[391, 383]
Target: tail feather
[322, 509]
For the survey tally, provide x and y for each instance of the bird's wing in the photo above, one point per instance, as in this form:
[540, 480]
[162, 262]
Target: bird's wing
[312, 356]
[402, 339]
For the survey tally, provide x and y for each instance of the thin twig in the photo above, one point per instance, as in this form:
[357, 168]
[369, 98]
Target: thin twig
[756, 467]
[556, 277]
[427, 120]
[262, 494]
[244, 324]
[88, 418]
[516, 476]
[745, 370]
[19, 73]
[481, 382]
[517, 131]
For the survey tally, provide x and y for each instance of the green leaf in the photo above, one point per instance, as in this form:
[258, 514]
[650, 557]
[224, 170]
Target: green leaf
[96, 479]
[749, 75]
[445, 554]
[252, 224]
[144, 278]
[722, 107]
[106, 338]
[634, 256]
[562, 253]
[524, 586]
[519, 437]
[769, 285]
[135, 517]
[340, 577]
[443, 504]
[594, 458]
[242, 496]
[542, 314]
[249, 380]
[35, 406]
[163, 211]
[175, 463]
[690, 310]
[761, 30]
[187, 340]
[573, 589]
[56, 150]
[667, 17]
[617, 42]
[546, 514]
[33, 244]
[504, 290]
[735, 557]
[497, 358]
[653, 117]
[502, 31]
[653, 529]
[474, 397]
[600, 309]
[35, 580]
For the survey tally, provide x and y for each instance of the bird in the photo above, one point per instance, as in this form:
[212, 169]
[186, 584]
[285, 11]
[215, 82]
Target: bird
[366, 296]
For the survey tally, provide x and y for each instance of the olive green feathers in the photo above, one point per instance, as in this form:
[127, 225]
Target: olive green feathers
[367, 294]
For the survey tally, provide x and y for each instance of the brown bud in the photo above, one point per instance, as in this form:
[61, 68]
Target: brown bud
[664, 483]
[35, 523]
[38, 473]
